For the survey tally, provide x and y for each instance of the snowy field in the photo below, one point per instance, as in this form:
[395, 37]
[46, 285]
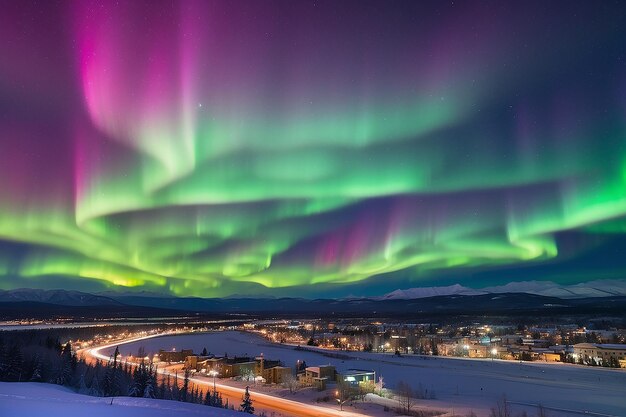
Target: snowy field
[30, 399]
[457, 383]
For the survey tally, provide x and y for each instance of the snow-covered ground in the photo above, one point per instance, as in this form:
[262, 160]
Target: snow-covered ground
[457, 383]
[30, 399]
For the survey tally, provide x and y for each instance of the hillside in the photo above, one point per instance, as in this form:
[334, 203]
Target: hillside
[21, 399]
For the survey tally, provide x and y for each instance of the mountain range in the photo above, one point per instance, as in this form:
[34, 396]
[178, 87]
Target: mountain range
[598, 288]
[521, 298]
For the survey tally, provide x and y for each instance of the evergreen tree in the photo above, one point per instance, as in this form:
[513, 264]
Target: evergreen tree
[160, 392]
[94, 389]
[115, 355]
[112, 379]
[15, 363]
[204, 352]
[3, 360]
[82, 386]
[168, 390]
[149, 391]
[217, 400]
[175, 389]
[37, 371]
[66, 353]
[208, 398]
[184, 391]
[246, 404]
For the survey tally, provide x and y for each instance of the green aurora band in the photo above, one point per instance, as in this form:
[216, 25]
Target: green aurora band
[166, 150]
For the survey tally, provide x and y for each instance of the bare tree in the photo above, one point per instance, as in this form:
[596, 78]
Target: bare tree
[501, 409]
[291, 382]
[404, 393]
[344, 393]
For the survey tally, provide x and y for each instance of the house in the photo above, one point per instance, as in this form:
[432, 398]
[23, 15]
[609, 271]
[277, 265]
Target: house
[357, 376]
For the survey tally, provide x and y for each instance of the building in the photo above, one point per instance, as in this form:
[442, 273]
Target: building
[357, 376]
[271, 371]
[237, 366]
[603, 353]
[174, 356]
[198, 363]
[277, 374]
[318, 376]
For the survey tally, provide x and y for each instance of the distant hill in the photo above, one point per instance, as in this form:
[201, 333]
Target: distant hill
[26, 303]
[57, 297]
[599, 288]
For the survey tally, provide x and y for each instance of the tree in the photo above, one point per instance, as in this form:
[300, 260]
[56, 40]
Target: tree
[501, 409]
[300, 366]
[204, 352]
[406, 400]
[217, 400]
[149, 390]
[208, 398]
[184, 391]
[291, 382]
[175, 388]
[62, 372]
[141, 352]
[4, 360]
[95, 390]
[434, 347]
[246, 404]
[380, 385]
[82, 386]
[248, 375]
[344, 393]
[14, 362]
[37, 370]
[112, 384]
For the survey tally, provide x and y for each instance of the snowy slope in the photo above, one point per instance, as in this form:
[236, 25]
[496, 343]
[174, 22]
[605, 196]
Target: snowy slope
[599, 288]
[425, 292]
[29, 399]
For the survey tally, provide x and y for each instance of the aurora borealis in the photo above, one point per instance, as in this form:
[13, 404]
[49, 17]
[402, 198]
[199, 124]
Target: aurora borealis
[212, 147]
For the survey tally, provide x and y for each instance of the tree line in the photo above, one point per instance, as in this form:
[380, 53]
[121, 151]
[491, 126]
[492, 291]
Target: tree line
[47, 360]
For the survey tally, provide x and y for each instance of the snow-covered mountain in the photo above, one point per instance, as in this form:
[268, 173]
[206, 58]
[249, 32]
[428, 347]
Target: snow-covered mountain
[425, 292]
[599, 288]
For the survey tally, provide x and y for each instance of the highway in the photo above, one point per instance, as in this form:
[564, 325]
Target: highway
[261, 401]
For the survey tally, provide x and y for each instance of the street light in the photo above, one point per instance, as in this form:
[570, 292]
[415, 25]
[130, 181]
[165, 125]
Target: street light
[494, 352]
[340, 393]
[213, 373]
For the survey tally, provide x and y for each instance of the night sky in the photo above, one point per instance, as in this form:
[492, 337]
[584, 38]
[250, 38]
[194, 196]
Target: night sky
[310, 148]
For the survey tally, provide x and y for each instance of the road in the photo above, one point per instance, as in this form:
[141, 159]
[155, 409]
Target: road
[261, 401]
